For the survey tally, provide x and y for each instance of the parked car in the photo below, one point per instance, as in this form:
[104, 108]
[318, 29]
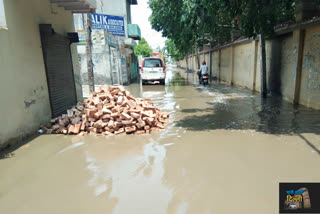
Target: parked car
[153, 70]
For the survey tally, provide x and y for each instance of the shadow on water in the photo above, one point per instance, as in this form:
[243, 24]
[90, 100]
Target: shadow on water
[176, 80]
[236, 108]
[271, 115]
[8, 152]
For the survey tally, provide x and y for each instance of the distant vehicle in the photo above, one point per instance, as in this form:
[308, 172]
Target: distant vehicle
[153, 70]
[204, 79]
[293, 207]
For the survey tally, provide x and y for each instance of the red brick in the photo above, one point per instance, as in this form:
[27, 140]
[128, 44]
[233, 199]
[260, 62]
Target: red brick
[132, 103]
[111, 109]
[130, 129]
[115, 114]
[70, 113]
[155, 129]
[150, 120]
[120, 100]
[83, 125]
[105, 110]
[140, 132]
[117, 123]
[114, 92]
[91, 112]
[130, 97]
[98, 124]
[119, 131]
[71, 129]
[110, 124]
[126, 122]
[160, 125]
[98, 114]
[55, 127]
[108, 133]
[76, 129]
[106, 116]
[125, 116]
[135, 115]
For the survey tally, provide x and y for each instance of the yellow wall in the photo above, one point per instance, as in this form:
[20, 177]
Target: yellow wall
[23, 85]
[226, 65]
[215, 63]
[286, 49]
[244, 64]
[310, 78]
[288, 54]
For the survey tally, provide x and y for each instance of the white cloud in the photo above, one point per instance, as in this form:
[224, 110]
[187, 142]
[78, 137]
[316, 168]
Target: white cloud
[140, 15]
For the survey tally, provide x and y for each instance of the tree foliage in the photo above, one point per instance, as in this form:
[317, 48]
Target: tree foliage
[193, 23]
[170, 49]
[143, 48]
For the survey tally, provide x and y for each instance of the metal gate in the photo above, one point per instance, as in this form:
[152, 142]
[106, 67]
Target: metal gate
[59, 70]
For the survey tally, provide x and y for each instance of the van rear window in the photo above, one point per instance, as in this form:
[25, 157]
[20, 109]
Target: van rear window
[151, 63]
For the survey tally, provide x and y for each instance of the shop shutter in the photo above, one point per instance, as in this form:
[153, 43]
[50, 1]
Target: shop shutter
[59, 70]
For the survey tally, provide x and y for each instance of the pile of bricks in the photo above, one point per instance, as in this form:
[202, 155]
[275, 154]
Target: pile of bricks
[110, 111]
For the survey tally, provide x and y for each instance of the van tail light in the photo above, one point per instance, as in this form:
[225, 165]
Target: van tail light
[163, 67]
[142, 66]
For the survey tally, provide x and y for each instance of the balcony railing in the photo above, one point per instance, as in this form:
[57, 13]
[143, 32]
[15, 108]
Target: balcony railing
[77, 6]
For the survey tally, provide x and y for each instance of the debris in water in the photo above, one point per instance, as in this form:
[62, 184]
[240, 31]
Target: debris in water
[110, 111]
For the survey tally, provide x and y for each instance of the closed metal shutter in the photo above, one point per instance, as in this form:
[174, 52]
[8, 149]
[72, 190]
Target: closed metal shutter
[59, 70]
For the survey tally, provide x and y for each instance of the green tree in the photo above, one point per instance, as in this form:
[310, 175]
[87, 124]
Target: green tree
[193, 23]
[143, 48]
[170, 49]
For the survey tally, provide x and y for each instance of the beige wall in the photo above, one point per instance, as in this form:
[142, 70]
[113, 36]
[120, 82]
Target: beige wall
[244, 65]
[215, 63]
[23, 85]
[310, 78]
[288, 67]
[226, 65]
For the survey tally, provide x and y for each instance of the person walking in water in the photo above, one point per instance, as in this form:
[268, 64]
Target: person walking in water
[203, 69]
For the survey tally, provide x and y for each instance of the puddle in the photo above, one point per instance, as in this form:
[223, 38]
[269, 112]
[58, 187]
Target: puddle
[223, 145]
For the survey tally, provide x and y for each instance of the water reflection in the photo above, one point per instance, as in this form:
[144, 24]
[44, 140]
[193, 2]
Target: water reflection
[127, 175]
[223, 145]
[234, 108]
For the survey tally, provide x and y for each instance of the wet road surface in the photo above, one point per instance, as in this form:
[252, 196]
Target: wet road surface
[224, 151]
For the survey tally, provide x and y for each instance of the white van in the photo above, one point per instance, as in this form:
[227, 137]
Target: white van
[154, 70]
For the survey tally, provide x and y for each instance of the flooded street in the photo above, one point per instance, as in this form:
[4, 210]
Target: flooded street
[225, 150]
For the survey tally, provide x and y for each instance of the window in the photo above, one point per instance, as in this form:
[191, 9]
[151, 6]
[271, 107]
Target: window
[151, 63]
[3, 23]
[78, 21]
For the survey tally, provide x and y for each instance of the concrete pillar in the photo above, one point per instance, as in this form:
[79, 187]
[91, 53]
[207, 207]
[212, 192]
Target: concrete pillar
[210, 68]
[306, 9]
[232, 64]
[274, 76]
[255, 55]
[300, 39]
[219, 66]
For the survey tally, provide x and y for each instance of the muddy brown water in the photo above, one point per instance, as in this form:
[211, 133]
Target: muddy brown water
[224, 151]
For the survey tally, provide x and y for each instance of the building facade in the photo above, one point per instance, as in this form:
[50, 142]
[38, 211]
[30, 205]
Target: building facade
[39, 63]
[113, 57]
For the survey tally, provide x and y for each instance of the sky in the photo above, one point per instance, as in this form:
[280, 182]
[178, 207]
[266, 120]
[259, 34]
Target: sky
[140, 15]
